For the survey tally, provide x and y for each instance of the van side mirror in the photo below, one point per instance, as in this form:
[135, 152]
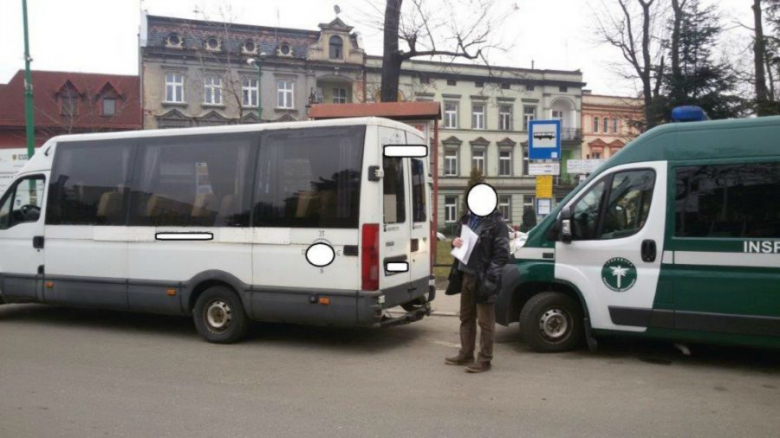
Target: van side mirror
[565, 225]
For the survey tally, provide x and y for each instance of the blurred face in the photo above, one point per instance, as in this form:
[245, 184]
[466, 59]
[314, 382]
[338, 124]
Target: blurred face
[482, 200]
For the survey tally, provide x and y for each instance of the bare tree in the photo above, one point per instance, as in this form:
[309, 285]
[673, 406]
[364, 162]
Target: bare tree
[763, 108]
[642, 48]
[429, 29]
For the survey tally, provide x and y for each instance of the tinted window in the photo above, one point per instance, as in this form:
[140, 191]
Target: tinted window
[737, 200]
[89, 183]
[394, 194]
[629, 203]
[22, 202]
[418, 191]
[309, 177]
[585, 217]
[197, 180]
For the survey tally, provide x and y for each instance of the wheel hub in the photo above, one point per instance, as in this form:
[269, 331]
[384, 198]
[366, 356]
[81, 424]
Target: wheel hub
[218, 315]
[554, 324]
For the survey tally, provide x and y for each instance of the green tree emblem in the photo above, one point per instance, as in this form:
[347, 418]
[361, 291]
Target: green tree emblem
[619, 274]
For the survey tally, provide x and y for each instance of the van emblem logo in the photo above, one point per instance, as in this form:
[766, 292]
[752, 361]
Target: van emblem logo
[619, 274]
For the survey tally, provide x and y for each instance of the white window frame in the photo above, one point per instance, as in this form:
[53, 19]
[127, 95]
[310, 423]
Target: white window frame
[450, 158]
[337, 95]
[174, 82]
[505, 202]
[285, 93]
[595, 125]
[450, 209]
[451, 116]
[249, 92]
[478, 117]
[505, 117]
[502, 159]
[479, 162]
[212, 90]
[528, 117]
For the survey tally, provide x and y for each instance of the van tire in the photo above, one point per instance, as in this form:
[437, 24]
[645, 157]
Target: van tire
[552, 322]
[219, 315]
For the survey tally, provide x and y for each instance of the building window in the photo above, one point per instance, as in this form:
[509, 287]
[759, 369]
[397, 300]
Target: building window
[451, 115]
[606, 125]
[530, 88]
[557, 115]
[451, 162]
[505, 117]
[529, 115]
[615, 125]
[505, 163]
[505, 207]
[212, 90]
[596, 125]
[478, 116]
[478, 160]
[174, 87]
[339, 95]
[69, 103]
[249, 92]
[336, 47]
[109, 107]
[212, 43]
[450, 209]
[425, 80]
[284, 93]
[285, 50]
[479, 84]
[596, 155]
[505, 86]
[525, 162]
[563, 89]
[452, 82]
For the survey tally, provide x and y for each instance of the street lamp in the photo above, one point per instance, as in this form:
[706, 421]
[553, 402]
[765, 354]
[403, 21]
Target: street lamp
[256, 63]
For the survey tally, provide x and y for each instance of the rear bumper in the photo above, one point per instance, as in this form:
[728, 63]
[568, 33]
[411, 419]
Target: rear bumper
[371, 305]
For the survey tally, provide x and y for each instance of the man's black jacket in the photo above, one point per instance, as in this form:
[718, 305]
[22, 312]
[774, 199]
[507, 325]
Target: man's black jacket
[491, 252]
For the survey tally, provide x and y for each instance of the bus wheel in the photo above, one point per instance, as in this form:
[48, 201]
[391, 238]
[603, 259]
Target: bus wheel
[551, 322]
[219, 315]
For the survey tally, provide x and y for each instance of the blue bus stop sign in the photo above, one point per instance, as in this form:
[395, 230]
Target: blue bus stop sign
[544, 140]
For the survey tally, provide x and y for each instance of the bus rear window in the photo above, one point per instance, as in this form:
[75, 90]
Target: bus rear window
[309, 178]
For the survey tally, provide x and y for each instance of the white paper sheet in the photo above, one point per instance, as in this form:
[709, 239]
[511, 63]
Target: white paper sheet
[469, 238]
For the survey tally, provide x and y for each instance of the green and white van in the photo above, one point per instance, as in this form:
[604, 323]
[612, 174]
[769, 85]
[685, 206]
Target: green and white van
[675, 237]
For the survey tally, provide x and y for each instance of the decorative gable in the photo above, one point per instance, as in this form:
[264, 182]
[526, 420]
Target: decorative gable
[213, 118]
[507, 142]
[452, 141]
[479, 141]
[173, 119]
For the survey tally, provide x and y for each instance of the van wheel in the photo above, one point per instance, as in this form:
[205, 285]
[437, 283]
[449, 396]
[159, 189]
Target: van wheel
[219, 315]
[551, 322]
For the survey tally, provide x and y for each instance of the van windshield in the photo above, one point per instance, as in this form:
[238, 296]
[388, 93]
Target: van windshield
[309, 178]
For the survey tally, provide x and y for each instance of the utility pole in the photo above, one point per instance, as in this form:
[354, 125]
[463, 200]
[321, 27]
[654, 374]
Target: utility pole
[28, 88]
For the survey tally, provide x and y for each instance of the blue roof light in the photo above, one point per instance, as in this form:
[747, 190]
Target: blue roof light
[689, 114]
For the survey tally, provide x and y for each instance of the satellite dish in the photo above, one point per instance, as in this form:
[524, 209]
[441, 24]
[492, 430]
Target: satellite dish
[337, 9]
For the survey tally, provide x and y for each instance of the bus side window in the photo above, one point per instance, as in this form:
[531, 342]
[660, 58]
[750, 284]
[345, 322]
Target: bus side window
[22, 202]
[418, 191]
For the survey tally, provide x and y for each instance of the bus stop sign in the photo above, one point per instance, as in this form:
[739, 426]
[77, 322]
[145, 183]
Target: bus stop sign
[544, 140]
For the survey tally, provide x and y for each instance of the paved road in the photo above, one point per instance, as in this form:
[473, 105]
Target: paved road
[82, 373]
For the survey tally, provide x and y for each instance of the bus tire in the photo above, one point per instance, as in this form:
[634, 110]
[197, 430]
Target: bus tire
[552, 322]
[219, 315]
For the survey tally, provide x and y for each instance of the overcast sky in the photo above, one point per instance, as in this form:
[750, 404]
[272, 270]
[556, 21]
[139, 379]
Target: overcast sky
[101, 35]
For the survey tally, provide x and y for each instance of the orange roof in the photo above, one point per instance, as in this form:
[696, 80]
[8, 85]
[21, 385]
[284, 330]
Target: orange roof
[390, 110]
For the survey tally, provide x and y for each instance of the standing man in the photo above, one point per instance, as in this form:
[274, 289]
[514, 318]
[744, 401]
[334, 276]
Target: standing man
[479, 280]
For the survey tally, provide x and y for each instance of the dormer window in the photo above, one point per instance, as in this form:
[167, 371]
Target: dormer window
[250, 47]
[173, 41]
[336, 47]
[285, 50]
[212, 44]
[69, 102]
[109, 107]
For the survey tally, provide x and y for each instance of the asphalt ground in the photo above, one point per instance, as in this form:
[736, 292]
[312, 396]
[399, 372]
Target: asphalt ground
[89, 373]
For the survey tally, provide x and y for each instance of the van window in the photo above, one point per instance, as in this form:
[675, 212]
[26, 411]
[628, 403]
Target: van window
[628, 197]
[419, 211]
[89, 183]
[728, 201]
[394, 194]
[629, 203]
[22, 202]
[309, 178]
[197, 180]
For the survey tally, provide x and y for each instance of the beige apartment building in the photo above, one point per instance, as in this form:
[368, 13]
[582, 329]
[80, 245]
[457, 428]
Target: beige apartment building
[485, 124]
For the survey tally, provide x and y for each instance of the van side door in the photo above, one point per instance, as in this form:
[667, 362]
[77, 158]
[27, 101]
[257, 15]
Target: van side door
[21, 239]
[614, 259]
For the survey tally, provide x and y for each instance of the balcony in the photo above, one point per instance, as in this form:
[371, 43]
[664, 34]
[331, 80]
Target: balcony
[571, 134]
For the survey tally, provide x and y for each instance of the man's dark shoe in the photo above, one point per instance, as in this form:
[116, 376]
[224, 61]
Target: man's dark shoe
[459, 360]
[478, 367]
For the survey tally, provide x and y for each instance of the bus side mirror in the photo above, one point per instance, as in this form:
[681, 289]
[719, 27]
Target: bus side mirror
[565, 225]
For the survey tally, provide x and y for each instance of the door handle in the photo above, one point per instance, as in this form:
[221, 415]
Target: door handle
[415, 245]
[38, 242]
[649, 251]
